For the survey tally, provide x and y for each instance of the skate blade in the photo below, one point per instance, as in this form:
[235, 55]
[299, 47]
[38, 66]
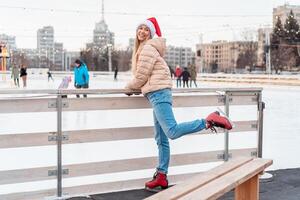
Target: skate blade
[224, 115]
[156, 189]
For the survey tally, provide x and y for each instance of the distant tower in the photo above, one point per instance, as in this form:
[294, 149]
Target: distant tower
[102, 36]
[102, 10]
[201, 38]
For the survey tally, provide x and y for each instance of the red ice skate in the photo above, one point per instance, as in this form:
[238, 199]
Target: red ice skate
[158, 183]
[216, 120]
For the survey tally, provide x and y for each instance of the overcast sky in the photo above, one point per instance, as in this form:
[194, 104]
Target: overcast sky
[181, 22]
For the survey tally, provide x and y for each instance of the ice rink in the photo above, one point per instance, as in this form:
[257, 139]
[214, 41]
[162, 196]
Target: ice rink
[281, 132]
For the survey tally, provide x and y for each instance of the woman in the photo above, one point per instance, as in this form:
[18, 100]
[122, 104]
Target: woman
[15, 74]
[23, 75]
[152, 77]
[193, 72]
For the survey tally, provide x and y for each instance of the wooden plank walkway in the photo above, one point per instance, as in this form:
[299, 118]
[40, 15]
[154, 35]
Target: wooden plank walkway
[284, 185]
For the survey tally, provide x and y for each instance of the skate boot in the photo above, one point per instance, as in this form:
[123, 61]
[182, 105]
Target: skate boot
[158, 183]
[216, 120]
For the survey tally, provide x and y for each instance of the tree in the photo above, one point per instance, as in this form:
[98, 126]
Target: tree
[97, 58]
[277, 35]
[291, 29]
[292, 38]
[277, 51]
[87, 56]
[213, 66]
[20, 58]
[122, 58]
[247, 55]
[284, 40]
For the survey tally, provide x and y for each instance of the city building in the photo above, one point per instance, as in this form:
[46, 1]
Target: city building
[8, 41]
[222, 55]
[45, 47]
[69, 59]
[102, 37]
[284, 11]
[178, 56]
[50, 53]
[131, 43]
[58, 56]
[28, 57]
[181, 56]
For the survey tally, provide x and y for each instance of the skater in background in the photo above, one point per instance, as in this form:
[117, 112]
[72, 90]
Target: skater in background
[23, 75]
[171, 72]
[151, 75]
[178, 72]
[50, 76]
[65, 84]
[81, 76]
[15, 73]
[185, 77]
[116, 73]
[193, 72]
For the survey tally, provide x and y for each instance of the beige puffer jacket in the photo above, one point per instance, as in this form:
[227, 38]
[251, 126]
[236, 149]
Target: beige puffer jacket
[152, 72]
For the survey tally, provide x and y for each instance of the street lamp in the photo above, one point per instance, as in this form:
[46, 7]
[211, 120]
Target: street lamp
[109, 57]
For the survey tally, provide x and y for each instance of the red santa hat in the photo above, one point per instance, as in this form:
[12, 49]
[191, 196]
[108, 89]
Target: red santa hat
[152, 24]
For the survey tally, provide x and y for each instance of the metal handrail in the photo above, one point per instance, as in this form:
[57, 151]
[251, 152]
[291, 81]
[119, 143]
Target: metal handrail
[225, 92]
[122, 91]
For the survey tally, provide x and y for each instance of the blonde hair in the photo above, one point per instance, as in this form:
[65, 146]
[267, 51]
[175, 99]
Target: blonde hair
[136, 52]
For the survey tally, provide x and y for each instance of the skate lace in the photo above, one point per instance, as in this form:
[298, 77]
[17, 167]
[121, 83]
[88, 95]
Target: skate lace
[213, 129]
[212, 126]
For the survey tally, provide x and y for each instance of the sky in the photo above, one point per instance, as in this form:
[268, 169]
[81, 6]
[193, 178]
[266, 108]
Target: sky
[181, 22]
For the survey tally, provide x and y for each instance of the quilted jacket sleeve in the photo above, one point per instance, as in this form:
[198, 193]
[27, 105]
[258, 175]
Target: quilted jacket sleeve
[145, 64]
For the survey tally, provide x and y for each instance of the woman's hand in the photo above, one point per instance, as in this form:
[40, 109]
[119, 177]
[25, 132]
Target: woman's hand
[130, 92]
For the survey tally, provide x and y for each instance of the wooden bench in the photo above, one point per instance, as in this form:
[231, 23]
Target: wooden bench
[241, 174]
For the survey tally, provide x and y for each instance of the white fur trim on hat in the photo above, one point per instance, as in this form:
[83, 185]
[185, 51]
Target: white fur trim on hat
[150, 25]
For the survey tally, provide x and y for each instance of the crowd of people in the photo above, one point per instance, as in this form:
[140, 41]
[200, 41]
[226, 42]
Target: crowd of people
[187, 76]
[19, 71]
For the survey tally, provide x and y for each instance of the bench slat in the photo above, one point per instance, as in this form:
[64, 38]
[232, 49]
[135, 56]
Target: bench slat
[186, 187]
[227, 182]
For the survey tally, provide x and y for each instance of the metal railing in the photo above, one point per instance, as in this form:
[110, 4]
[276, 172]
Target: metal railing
[112, 99]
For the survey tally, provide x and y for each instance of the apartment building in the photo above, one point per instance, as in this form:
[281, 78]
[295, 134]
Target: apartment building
[222, 55]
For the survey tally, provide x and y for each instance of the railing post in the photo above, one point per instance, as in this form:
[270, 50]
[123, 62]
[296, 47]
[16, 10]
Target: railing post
[59, 145]
[226, 134]
[261, 107]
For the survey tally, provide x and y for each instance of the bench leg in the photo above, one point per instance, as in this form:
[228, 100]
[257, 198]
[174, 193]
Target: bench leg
[248, 190]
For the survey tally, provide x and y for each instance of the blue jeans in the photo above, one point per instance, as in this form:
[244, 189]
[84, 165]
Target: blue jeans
[178, 82]
[166, 126]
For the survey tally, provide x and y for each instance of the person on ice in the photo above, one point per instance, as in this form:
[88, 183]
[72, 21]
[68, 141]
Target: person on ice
[81, 76]
[15, 74]
[65, 84]
[50, 76]
[185, 77]
[152, 76]
[178, 72]
[23, 75]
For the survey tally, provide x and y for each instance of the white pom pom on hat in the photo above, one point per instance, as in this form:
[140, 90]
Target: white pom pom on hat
[152, 24]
